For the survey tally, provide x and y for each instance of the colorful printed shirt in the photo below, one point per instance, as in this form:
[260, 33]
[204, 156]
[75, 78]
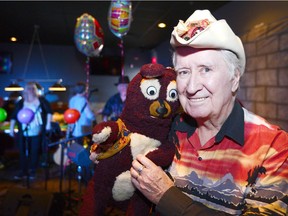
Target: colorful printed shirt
[113, 108]
[243, 170]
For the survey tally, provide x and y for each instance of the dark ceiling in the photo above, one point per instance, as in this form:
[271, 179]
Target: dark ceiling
[56, 20]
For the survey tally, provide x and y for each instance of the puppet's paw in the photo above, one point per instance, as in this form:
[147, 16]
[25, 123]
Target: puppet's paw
[102, 136]
[123, 188]
[93, 157]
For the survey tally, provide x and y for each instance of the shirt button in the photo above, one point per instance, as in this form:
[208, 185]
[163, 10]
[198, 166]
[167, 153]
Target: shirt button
[200, 158]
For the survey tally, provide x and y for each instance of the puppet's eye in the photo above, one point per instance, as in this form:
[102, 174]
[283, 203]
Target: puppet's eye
[150, 88]
[172, 94]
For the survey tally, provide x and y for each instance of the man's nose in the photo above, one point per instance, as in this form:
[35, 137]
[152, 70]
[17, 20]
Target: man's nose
[194, 83]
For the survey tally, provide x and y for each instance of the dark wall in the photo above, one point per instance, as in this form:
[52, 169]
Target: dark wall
[64, 62]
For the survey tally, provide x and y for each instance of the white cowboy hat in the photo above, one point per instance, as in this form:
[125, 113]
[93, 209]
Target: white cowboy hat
[202, 30]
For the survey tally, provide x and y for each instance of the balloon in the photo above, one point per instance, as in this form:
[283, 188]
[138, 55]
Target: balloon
[71, 116]
[88, 35]
[119, 17]
[25, 116]
[3, 114]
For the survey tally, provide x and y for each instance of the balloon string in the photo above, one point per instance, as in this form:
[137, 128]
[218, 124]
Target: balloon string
[122, 57]
[87, 67]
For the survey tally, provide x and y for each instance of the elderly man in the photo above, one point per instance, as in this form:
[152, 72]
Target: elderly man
[229, 161]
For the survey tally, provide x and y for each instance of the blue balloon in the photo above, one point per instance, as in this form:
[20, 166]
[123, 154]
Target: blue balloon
[25, 116]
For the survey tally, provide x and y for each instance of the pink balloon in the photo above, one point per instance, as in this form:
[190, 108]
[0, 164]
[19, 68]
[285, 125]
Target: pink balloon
[25, 116]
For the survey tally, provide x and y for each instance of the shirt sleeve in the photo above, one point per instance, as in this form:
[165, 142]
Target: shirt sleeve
[88, 112]
[108, 108]
[175, 202]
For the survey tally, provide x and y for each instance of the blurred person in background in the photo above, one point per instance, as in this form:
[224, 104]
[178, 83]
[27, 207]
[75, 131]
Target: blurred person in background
[34, 133]
[114, 106]
[82, 129]
[80, 102]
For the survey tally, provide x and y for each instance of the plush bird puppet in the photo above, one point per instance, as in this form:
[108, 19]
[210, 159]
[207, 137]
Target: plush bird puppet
[143, 127]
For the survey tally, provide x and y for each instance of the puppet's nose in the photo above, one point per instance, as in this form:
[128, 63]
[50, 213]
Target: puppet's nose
[161, 110]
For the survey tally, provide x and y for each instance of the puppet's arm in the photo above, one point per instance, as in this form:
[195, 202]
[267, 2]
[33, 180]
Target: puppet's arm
[163, 155]
[104, 135]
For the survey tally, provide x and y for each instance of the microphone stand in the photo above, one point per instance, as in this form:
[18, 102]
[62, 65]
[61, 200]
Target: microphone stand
[27, 156]
[46, 165]
[63, 144]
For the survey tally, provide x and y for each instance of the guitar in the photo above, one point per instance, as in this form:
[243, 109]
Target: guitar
[57, 153]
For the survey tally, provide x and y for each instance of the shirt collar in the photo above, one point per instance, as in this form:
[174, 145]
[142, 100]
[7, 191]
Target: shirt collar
[233, 127]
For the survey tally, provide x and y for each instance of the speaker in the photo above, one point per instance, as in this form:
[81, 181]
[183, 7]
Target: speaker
[28, 202]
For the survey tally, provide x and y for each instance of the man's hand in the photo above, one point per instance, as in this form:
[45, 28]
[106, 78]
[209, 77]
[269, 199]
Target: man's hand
[150, 179]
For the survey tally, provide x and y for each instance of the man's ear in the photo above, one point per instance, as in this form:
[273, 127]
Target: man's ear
[236, 81]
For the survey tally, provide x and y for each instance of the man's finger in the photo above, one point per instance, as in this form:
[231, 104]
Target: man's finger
[147, 163]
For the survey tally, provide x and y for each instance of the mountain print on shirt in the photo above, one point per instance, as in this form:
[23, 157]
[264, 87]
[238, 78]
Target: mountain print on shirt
[225, 194]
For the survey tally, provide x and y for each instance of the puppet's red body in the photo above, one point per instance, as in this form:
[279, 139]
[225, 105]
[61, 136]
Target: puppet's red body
[151, 103]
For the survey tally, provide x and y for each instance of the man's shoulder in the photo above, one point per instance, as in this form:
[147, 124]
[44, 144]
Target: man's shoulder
[114, 98]
[77, 98]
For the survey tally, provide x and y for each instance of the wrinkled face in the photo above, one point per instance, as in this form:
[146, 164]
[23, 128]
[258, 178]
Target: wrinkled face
[205, 85]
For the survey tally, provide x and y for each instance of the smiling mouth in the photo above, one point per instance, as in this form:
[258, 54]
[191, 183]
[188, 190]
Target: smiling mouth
[198, 99]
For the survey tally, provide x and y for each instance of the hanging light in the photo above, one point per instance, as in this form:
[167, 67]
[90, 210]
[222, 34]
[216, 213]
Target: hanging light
[57, 86]
[14, 87]
[35, 38]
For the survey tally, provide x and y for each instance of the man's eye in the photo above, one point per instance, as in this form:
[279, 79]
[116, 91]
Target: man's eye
[182, 72]
[206, 69]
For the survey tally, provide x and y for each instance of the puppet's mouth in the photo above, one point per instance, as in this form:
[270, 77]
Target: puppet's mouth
[160, 109]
